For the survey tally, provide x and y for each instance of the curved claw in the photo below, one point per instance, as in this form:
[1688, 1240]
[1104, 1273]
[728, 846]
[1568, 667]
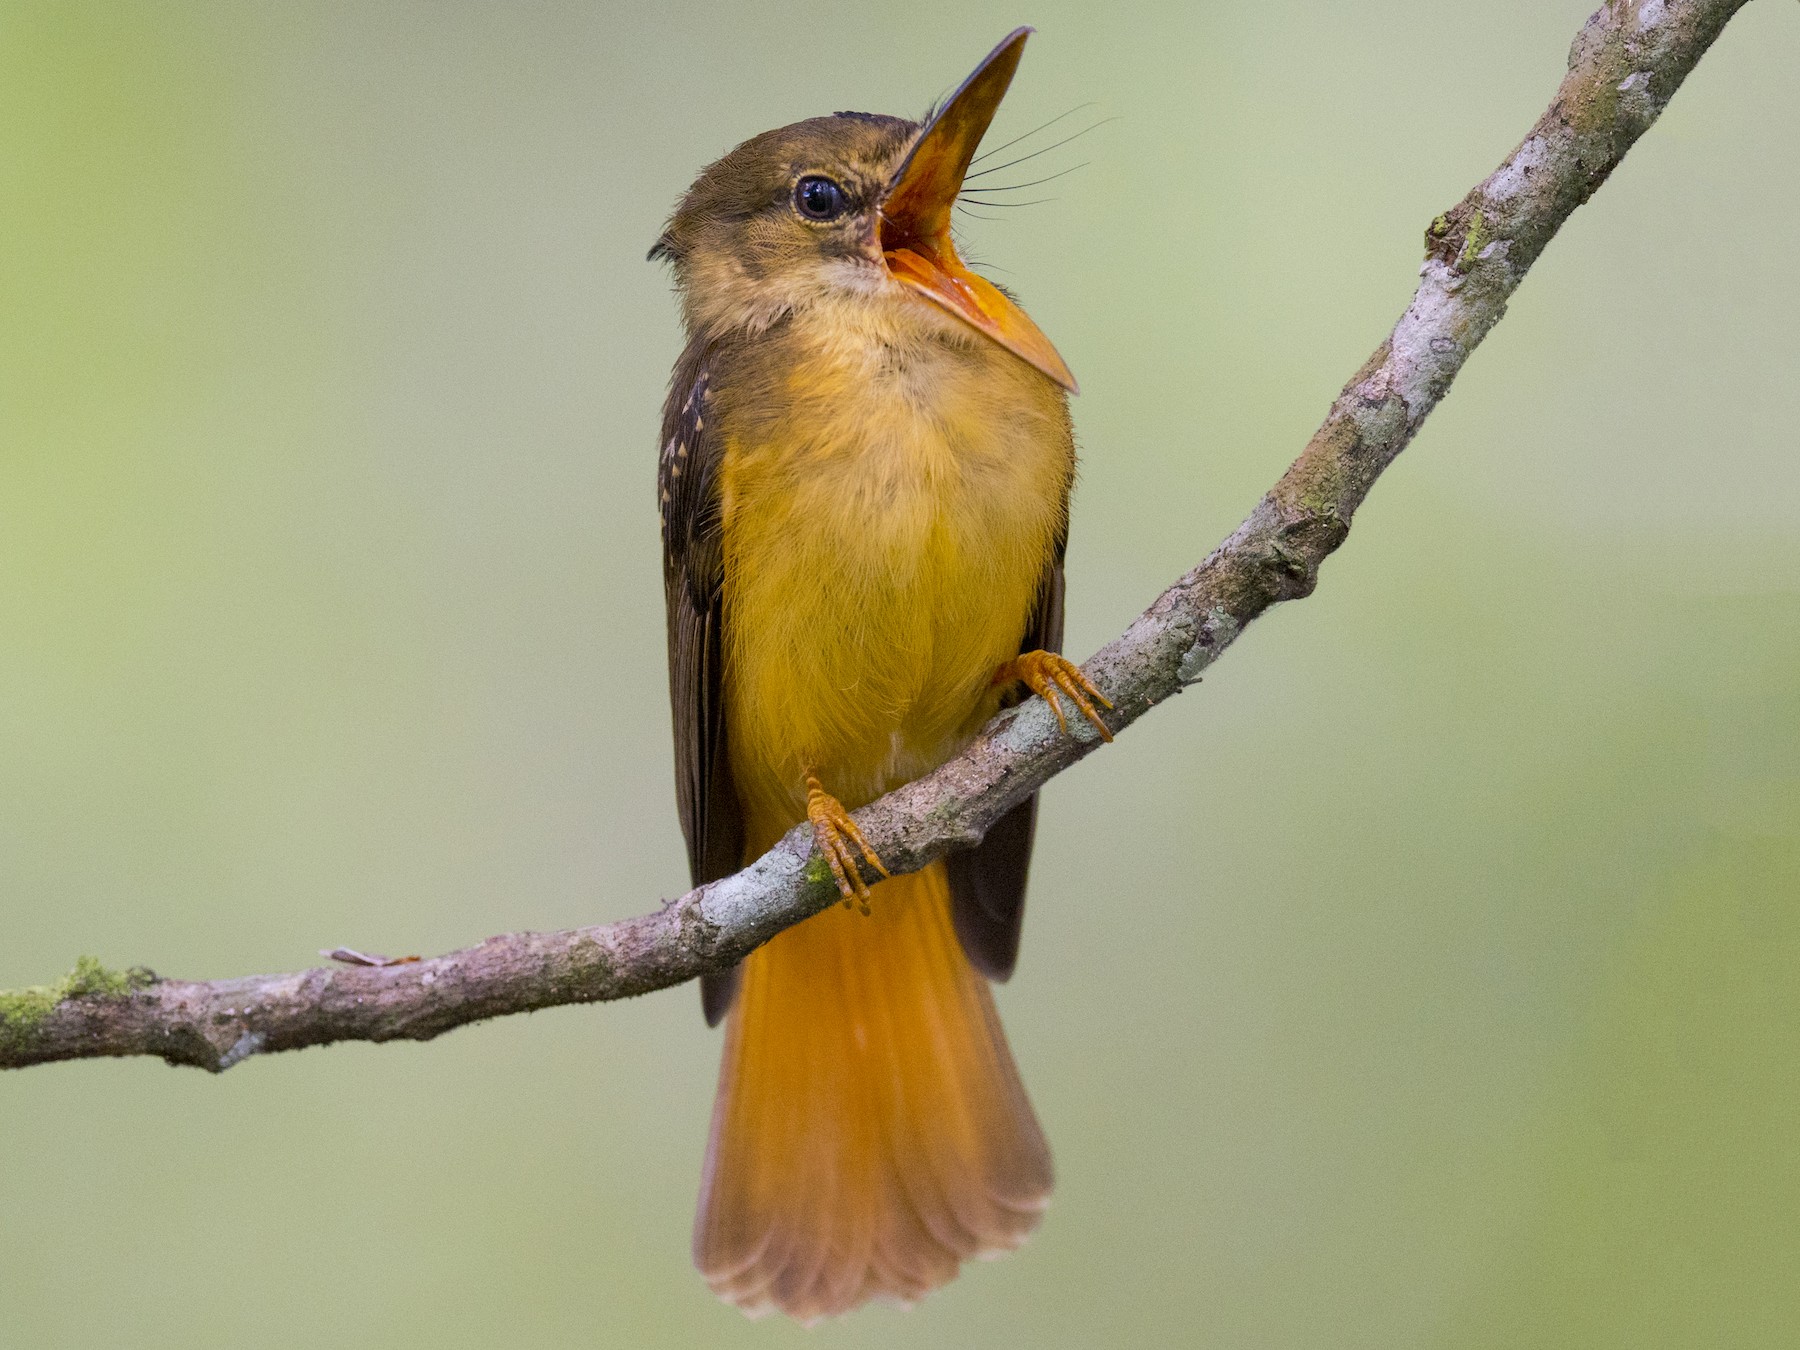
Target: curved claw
[1047, 675]
[833, 833]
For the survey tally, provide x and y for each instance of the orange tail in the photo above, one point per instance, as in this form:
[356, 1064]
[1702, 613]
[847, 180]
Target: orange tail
[870, 1132]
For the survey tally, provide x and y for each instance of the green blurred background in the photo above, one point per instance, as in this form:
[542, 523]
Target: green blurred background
[1428, 977]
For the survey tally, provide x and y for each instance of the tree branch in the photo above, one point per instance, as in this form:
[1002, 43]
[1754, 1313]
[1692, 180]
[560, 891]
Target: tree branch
[1625, 65]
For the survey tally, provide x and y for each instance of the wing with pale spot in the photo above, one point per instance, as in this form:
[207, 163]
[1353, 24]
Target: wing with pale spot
[693, 572]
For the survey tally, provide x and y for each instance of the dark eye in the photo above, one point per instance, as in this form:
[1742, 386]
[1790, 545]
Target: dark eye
[819, 198]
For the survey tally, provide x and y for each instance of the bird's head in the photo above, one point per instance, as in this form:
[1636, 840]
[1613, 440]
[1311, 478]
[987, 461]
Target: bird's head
[852, 208]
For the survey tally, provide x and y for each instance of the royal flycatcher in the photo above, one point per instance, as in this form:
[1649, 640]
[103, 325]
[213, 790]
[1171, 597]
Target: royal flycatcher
[864, 483]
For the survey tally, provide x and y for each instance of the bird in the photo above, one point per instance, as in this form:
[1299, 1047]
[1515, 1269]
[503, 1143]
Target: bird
[864, 483]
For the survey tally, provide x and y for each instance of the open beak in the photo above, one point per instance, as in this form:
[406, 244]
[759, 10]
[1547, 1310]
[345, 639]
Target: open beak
[915, 216]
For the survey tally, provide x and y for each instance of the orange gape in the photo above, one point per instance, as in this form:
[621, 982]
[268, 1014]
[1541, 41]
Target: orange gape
[870, 1131]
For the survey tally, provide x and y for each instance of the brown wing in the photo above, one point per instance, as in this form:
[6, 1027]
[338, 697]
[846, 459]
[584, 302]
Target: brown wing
[987, 882]
[693, 571]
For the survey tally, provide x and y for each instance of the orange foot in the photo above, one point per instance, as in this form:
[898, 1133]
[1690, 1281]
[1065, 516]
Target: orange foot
[834, 832]
[1044, 673]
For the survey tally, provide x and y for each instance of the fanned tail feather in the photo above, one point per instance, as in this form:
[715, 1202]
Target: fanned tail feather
[870, 1132]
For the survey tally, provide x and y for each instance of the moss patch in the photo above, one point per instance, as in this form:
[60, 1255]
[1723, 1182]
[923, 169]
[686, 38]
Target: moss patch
[21, 1009]
[1476, 240]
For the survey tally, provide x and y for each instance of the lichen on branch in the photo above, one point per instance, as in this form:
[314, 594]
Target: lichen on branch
[21, 1010]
